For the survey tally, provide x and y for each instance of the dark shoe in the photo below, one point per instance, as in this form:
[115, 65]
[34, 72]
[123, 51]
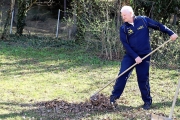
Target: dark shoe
[112, 99]
[147, 106]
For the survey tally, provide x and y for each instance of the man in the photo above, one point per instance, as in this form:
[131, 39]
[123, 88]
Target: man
[134, 35]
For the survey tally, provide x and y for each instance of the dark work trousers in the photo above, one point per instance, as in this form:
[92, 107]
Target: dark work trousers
[142, 71]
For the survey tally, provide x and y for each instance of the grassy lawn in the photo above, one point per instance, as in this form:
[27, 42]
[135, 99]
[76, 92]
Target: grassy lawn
[31, 75]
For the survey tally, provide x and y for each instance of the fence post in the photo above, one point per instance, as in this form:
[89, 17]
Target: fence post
[12, 14]
[12, 18]
[58, 24]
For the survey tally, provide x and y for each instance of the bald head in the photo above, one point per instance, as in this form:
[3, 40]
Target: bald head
[127, 13]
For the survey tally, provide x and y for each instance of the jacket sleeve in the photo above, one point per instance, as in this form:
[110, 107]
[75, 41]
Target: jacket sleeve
[158, 26]
[124, 40]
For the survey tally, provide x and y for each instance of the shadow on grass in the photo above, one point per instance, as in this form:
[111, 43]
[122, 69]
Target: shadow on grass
[24, 111]
[40, 60]
[64, 58]
[40, 111]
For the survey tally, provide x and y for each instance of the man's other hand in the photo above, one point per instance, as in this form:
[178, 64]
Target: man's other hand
[173, 37]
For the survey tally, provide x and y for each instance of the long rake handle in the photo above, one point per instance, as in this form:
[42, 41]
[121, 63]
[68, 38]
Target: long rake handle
[174, 100]
[131, 67]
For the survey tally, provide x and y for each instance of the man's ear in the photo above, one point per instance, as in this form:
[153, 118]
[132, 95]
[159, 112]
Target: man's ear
[131, 14]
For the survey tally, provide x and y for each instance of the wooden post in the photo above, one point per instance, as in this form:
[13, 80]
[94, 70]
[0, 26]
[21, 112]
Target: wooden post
[58, 24]
[12, 14]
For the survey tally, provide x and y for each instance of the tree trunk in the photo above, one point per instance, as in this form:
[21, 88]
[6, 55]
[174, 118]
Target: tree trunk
[23, 7]
[21, 16]
[80, 33]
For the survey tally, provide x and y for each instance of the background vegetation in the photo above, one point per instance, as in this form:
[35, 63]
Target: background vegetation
[95, 18]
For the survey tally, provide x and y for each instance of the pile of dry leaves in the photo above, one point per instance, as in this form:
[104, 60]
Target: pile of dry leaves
[63, 109]
[56, 109]
[100, 103]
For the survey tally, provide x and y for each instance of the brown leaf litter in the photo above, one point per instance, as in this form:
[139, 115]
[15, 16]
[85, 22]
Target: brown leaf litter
[96, 103]
[101, 103]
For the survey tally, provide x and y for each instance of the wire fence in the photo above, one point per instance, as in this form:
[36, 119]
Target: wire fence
[40, 21]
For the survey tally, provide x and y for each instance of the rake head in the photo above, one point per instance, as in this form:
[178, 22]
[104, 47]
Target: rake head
[95, 99]
[102, 100]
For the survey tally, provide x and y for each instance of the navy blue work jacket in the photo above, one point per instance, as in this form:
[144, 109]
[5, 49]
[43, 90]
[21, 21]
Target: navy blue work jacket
[136, 39]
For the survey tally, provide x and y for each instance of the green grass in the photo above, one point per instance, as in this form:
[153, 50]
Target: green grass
[30, 75]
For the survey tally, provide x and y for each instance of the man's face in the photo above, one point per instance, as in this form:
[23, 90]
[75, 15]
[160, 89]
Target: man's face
[126, 16]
